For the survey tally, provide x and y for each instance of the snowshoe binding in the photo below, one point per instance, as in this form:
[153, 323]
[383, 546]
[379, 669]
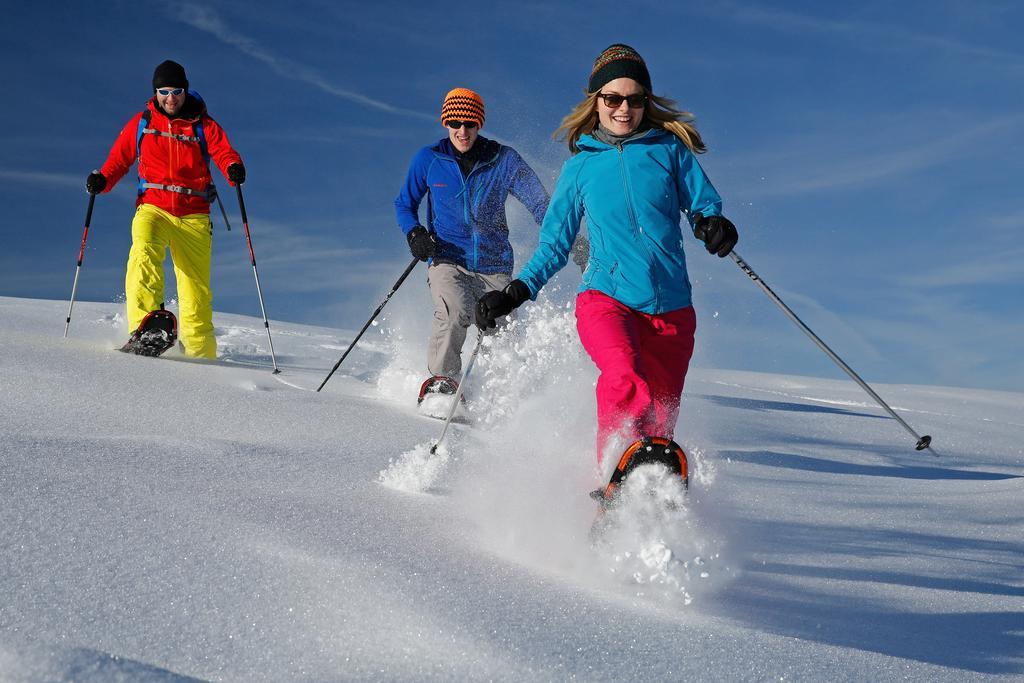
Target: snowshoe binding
[649, 449]
[436, 396]
[438, 384]
[157, 332]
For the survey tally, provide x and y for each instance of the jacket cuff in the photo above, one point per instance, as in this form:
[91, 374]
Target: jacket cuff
[519, 291]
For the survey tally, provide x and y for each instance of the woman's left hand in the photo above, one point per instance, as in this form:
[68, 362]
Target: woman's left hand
[717, 232]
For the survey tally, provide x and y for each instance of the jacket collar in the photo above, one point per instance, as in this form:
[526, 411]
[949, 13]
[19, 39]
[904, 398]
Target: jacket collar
[484, 150]
[591, 143]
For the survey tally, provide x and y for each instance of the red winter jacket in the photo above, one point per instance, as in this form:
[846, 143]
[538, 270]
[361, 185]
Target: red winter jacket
[170, 161]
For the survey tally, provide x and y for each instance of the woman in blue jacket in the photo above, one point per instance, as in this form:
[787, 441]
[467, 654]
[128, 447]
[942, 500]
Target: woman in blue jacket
[465, 179]
[633, 174]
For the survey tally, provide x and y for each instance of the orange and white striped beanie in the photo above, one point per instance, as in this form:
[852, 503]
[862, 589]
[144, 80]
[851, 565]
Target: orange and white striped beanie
[462, 104]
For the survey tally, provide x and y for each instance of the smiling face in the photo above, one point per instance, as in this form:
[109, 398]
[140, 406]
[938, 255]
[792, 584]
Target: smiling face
[171, 103]
[623, 119]
[464, 137]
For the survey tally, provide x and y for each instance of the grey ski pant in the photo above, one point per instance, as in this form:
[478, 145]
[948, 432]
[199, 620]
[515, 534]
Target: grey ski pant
[455, 291]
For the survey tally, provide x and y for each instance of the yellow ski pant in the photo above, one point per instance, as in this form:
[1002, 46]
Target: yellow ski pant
[190, 239]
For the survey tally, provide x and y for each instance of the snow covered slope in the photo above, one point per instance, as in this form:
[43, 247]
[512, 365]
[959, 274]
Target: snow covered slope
[167, 519]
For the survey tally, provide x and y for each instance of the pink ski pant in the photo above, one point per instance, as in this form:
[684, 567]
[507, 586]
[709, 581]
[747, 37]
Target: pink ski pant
[642, 359]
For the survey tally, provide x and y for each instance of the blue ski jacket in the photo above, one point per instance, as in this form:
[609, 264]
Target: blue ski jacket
[467, 214]
[632, 196]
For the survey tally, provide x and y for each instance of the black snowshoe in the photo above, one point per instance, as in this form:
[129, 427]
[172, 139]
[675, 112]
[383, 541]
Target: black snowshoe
[650, 449]
[157, 332]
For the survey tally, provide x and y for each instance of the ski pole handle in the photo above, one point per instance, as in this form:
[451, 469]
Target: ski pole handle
[85, 232]
[245, 223]
[81, 257]
[241, 203]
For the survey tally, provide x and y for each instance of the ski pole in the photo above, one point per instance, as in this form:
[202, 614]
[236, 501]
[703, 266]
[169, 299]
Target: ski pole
[223, 211]
[922, 441]
[458, 393]
[259, 290]
[81, 257]
[394, 289]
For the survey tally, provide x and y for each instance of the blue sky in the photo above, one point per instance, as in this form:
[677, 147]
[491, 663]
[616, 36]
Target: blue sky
[868, 152]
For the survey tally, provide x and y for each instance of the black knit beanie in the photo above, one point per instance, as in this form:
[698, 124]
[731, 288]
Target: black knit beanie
[170, 75]
[618, 61]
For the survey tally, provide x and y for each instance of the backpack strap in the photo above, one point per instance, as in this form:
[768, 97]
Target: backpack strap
[143, 128]
[199, 138]
[175, 136]
[207, 194]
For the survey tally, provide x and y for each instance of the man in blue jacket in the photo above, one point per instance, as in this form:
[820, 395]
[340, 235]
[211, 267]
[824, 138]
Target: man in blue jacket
[466, 180]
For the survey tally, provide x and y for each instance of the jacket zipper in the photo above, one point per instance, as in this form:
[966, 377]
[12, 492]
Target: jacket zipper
[466, 216]
[173, 156]
[638, 230]
[466, 207]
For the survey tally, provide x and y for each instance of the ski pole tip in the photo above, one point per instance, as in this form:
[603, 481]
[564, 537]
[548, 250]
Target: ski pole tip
[923, 443]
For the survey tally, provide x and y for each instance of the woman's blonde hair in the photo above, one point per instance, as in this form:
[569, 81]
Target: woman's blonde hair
[659, 112]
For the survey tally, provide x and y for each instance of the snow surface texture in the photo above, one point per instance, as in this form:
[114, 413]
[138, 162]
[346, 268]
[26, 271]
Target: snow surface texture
[169, 520]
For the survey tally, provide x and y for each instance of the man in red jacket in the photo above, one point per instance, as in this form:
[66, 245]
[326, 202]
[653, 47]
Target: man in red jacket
[174, 139]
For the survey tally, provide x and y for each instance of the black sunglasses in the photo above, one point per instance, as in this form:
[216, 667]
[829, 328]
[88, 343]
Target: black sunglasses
[613, 101]
[455, 125]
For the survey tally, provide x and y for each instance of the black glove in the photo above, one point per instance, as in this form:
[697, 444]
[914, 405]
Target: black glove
[496, 304]
[422, 244]
[95, 183]
[236, 173]
[716, 232]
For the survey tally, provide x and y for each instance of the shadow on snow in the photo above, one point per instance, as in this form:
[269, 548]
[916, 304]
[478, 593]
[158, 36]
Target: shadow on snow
[821, 465]
[777, 596]
[761, 404]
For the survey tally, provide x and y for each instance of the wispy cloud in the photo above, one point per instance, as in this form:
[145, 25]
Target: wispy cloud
[333, 135]
[284, 250]
[947, 340]
[823, 167]
[205, 19]
[42, 178]
[914, 335]
[998, 267]
[894, 36]
[1013, 220]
